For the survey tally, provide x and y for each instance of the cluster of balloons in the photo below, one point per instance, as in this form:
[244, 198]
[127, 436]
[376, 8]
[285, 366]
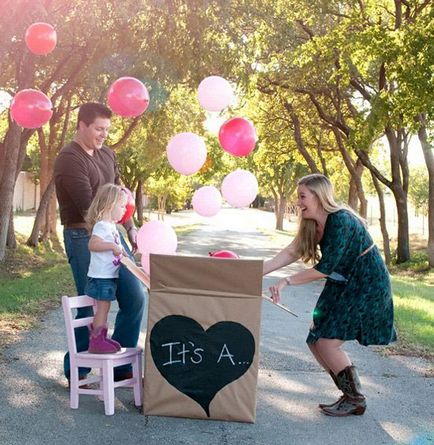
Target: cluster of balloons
[155, 237]
[186, 152]
[127, 96]
[32, 108]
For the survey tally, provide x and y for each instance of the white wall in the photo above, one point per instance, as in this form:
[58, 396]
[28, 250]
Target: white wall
[26, 193]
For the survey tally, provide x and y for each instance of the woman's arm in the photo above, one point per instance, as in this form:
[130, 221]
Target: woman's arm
[303, 277]
[286, 256]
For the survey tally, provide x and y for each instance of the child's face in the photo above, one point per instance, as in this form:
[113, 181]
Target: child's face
[119, 208]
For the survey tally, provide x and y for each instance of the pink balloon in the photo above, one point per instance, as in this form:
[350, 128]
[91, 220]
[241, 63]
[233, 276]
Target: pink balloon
[240, 188]
[237, 136]
[156, 237]
[128, 97]
[130, 208]
[207, 201]
[31, 108]
[215, 93]
[224, 254]
[186, 153]
[145, 260]
[41, 38]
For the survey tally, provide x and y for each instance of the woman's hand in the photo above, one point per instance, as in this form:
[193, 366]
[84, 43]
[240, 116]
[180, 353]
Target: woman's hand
[276, 289]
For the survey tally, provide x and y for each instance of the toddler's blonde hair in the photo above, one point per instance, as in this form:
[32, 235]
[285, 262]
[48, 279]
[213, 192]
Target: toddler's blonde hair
[104, 201]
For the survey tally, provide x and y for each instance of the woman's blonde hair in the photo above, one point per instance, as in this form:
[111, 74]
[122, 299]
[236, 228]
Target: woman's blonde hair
[104, 201]
[306, 240]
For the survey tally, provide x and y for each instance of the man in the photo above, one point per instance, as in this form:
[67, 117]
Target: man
[80, 168]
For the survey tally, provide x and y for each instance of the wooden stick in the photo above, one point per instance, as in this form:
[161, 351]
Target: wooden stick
[269, 299]
[137, 271]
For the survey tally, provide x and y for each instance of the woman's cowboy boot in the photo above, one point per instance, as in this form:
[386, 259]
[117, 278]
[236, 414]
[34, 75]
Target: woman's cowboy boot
[98, 343]
[353, 402]
[324, 405]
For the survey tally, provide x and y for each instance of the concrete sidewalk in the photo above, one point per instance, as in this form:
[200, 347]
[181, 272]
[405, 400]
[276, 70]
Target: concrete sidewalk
[34, 406]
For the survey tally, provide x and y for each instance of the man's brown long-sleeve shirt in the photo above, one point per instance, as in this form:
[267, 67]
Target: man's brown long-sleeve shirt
[77, 177]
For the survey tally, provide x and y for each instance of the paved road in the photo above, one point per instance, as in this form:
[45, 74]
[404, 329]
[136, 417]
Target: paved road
[34, 406]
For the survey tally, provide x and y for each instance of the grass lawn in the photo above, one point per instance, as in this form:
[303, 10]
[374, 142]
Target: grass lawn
[33, 280]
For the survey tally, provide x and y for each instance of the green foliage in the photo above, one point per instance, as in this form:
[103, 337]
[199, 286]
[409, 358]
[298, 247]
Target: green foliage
[418, 189]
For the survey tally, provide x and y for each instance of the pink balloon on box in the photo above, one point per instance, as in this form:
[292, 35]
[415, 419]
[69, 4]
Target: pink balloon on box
[157, 237]
[237, 136]
[41, 38]
[31, 108]
[239, 188]
[215, 93]
[207, 201]
[128, 97]
[224, 254]
[186, 153]
[145, 261]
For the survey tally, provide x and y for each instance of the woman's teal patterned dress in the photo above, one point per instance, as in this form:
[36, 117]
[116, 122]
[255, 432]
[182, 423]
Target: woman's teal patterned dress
[356, 302]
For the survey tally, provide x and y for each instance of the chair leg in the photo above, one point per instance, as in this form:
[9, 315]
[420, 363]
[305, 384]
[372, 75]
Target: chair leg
[108, 388]
[73, 387]
[101, 385]
[137, 374]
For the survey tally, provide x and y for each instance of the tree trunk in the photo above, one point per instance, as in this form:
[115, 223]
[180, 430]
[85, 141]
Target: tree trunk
[139, 202]
[383, 226]
[7, 184]
[281, 204]
[11, 239]
[399, 180]
[429, 160]
[41, 215]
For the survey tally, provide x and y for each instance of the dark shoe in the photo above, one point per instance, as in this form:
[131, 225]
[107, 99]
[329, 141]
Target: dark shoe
[346, 407]
[123, 376]
[325, 405]
[80, 377]
[330, 405]
[353, 402]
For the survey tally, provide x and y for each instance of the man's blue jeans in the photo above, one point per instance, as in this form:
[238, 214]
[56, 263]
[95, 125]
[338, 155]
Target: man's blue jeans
[130, 295]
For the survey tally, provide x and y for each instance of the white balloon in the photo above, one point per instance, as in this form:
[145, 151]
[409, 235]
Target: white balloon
[186, 153]
[207, 201]
[240, 188]
[215, 93]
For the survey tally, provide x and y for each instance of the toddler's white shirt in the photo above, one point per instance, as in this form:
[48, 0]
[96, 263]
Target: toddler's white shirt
[101, 263]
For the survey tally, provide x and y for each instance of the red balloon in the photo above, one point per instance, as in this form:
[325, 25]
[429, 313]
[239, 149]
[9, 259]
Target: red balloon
[237, 136]
[31, 108]
[128, 97]
[41, 38]
[224, 254]
[130, 207]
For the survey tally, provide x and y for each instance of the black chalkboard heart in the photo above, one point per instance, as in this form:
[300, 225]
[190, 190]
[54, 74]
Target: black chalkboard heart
[200, 363]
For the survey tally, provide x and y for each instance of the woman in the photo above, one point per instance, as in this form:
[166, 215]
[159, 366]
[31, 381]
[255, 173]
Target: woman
[356, 302]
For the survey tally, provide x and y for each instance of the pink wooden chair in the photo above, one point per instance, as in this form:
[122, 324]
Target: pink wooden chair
[105, 362]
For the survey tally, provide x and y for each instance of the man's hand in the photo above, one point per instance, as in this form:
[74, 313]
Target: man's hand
[132, 238]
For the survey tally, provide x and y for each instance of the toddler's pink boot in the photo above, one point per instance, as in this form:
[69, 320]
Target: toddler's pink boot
[98, 343]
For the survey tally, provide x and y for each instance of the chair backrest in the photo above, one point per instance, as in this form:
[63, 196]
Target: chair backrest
[68, 304]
